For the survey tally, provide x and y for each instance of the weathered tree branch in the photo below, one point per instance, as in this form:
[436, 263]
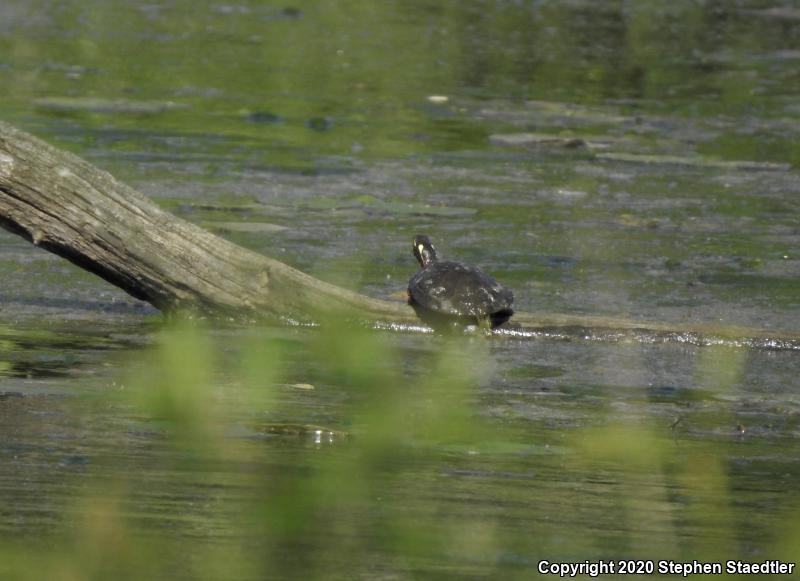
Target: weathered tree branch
[67, 206]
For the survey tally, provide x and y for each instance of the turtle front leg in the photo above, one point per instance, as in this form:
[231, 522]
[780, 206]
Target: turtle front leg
[485, 325]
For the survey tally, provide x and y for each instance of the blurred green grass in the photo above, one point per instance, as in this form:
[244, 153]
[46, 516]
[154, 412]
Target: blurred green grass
[410, 479]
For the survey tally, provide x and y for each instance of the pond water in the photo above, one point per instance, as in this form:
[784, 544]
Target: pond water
[632, 160]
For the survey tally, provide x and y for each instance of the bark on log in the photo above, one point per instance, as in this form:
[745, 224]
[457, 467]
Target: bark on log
[65, 205]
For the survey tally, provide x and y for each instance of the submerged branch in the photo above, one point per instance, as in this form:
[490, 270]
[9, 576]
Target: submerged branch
[65, 205]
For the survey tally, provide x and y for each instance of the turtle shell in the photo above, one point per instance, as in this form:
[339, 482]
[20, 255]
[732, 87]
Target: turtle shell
[458, 290]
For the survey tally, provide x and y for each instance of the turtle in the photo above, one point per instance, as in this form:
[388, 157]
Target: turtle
[448, 293]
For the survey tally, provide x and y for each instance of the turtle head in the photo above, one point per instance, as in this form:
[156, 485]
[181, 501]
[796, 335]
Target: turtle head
[424, 251]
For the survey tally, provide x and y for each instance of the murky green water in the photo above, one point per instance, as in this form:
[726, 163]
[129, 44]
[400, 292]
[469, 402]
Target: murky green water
[607, 158]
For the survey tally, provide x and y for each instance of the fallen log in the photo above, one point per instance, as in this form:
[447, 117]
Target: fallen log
[63, 204]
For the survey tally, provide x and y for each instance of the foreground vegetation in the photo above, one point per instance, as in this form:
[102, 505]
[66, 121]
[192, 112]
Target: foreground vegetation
[331, 455]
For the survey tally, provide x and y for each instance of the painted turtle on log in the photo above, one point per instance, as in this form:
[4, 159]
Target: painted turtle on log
[447, 293]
